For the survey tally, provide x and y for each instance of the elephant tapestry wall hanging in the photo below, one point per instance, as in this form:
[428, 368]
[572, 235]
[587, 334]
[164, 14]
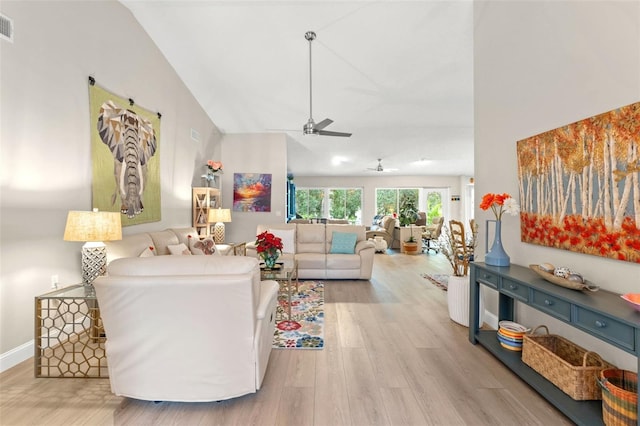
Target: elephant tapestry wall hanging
[125, 145]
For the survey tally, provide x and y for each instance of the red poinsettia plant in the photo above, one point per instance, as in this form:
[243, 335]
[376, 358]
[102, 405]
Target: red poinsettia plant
[500, 203]
[268, 243]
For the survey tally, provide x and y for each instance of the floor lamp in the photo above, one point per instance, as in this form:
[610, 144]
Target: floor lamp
[219, 216]
[93, 228]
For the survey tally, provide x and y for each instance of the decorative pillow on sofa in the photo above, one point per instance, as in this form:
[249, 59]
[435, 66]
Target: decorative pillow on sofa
[287, 237]
[205, 247]
[148, 252]
[179, 249]
[343, 243]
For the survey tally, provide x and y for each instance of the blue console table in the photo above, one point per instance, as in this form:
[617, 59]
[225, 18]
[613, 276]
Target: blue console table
[602, 314]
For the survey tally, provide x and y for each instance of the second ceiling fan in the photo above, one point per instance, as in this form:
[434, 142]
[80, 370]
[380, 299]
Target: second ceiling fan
[313, 128]
[379, 168]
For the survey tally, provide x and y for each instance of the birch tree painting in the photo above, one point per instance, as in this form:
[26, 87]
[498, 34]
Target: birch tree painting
[580, 186]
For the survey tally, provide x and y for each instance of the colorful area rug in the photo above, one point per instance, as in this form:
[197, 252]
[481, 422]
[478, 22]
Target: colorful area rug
[439, 280]
[306, 330]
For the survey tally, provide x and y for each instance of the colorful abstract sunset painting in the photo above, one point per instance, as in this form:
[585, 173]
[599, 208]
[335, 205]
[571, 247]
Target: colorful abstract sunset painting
[251, 192]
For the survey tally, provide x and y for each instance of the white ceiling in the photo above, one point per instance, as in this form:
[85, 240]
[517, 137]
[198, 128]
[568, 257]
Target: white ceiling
[397, 74]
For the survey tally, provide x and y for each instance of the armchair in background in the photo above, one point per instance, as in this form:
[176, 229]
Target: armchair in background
[384, 230]
[432, 233]
[421, 220]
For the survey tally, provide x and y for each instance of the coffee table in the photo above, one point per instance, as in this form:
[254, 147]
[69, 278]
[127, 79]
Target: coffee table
[285, 272]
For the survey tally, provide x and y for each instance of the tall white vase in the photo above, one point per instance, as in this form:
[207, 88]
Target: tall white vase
[458, 289]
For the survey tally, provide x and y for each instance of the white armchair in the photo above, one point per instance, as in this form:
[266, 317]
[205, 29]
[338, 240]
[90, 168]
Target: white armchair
[186, 328]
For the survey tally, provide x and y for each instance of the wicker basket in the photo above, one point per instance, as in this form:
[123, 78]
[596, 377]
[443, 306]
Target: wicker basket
[568, 366]
[619, 397]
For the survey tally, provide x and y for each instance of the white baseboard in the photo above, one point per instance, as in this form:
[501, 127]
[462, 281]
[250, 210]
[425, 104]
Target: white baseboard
[490, 319]
[16, 355]
[25, 351]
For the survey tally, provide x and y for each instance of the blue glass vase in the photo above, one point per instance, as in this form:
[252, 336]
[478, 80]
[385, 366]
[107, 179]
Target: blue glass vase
[496, 256]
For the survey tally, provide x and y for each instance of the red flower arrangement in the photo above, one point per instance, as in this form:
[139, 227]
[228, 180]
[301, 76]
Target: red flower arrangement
[500, 203]
[268, 243]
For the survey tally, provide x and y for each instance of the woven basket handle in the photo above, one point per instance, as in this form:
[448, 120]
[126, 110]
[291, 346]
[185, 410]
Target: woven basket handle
[586, 354]
[540, 326]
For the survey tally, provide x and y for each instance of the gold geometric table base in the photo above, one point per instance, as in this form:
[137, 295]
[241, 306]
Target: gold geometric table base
[69, 337]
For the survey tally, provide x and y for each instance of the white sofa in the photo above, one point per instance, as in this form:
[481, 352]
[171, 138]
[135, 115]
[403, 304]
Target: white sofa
[310, 245]
[134, 245]
[186, 328]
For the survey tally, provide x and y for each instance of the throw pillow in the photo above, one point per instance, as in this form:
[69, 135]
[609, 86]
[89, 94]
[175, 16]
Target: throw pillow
[179, 249]
[148, 252]
[287, 237]
[343, 243]
[205, 247]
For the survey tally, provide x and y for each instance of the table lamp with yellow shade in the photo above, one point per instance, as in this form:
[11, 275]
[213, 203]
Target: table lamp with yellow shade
[219, 216]
[93, 228]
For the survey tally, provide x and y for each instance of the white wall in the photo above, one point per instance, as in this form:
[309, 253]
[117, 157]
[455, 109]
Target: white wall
[369, 185]
[538, 66]
[254, 153]
[44, 139]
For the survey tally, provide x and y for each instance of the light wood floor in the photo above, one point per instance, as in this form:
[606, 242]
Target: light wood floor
[392, 357]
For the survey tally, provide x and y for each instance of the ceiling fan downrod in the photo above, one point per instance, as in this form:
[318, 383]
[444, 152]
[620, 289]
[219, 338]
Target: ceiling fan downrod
[308, 128]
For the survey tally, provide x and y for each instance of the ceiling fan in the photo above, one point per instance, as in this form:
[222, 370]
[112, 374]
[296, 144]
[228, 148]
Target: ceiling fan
[313, 128]
[379, 167]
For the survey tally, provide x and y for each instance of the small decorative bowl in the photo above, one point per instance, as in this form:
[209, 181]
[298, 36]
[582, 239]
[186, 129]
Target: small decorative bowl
[513, 327]
[510, 335]
[633, 299]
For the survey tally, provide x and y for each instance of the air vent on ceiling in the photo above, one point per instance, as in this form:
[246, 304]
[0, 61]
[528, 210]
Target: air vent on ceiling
[6, 28]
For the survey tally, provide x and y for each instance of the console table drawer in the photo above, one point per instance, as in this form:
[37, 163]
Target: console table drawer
[609, 329]
[552, 305]
[515, 289]
[487, 278]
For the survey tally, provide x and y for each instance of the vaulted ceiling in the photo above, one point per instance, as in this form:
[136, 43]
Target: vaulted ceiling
[396, 74]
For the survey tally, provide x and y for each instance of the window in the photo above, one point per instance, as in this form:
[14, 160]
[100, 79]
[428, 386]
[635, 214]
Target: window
[434, 205]
[388, 200]
[309, 202]
[430, 200]
[344, 203]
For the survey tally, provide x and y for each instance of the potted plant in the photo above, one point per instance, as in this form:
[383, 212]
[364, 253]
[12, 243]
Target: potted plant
[269, 248]
[459, 252]
[410, 246]
[408, 216]
[408, 210]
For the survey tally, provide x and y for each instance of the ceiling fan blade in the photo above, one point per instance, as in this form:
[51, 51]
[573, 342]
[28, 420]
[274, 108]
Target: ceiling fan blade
[330, 133]
[381, 169]
[324, 123]
[284, 130]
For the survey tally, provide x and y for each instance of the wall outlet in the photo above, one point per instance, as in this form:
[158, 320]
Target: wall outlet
[54, 281]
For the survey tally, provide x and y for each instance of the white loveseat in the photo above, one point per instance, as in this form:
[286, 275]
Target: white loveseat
[311, 246]
[186, 328]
